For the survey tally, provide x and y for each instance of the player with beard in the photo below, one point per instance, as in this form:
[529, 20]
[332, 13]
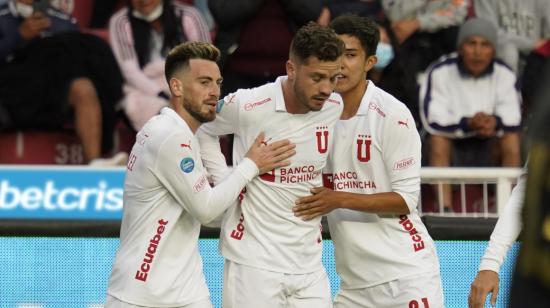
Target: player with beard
[167, 195]
[273, 259]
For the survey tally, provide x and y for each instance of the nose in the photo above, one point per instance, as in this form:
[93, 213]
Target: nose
[215, 91]
[327, 87]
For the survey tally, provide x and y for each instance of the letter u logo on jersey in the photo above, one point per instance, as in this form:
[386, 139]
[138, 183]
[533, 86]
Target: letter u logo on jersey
[322, 139]
[363, 148]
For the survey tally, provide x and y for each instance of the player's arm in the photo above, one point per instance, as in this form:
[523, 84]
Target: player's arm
[183, 174]
[324, 200]
[401, 151]
[505, 233]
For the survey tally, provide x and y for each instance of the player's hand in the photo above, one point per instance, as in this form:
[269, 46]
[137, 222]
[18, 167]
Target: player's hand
[270, 156]
[322, 201]
[34, 25]
[486, 282]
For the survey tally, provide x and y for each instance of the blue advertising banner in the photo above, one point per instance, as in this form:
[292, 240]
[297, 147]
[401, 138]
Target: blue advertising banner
[81, 193]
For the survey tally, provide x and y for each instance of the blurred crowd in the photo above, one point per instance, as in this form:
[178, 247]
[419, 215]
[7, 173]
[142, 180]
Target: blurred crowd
[467, 69]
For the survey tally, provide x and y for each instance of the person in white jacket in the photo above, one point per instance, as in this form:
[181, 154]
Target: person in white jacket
[141, 34]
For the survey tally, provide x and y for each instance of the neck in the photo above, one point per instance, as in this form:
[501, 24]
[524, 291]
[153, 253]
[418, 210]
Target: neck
[189, 119]
[352, 100]
[291, 102]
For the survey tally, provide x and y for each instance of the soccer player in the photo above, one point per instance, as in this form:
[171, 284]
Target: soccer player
[273, 259]
[384, 254]
[167, 195]
[505, 233]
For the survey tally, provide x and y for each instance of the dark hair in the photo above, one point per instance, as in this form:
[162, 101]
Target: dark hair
[362, 28]
[178, 58]
[317, 41]
[141, 32]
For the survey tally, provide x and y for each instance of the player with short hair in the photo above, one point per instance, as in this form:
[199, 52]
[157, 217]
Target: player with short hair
[273, 259]
[167, 195]
[384, 254]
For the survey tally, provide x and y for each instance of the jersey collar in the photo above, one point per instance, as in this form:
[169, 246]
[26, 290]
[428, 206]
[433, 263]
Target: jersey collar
[279, 98]
[169, 112]
[367, 98]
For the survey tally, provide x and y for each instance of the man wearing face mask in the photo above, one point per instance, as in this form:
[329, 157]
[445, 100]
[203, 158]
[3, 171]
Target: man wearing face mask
[141, 34]
[389, 74]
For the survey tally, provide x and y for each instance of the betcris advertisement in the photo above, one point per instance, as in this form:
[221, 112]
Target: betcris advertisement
[81, 193]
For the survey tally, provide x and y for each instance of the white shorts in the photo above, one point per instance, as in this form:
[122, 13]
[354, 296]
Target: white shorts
[420, 291]
[113, 302]
[246, 286]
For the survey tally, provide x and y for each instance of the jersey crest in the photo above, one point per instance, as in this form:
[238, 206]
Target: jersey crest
[322, 139]
[363, 148]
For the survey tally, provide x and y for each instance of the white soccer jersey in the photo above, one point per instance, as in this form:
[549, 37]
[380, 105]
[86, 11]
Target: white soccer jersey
[378, 150]
[166, 197]
[262, 231]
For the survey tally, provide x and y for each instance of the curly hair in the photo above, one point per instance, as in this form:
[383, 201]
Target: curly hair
[313, 40]
[362, 28]
[178, 58]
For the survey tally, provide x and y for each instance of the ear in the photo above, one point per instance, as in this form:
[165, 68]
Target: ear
[290, 69]
[369, 64]
[176, 87]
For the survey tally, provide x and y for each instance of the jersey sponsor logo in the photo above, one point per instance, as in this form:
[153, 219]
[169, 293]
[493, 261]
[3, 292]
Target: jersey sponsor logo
[363, 148]
[328, 180]
[239, 231]
[186, 145]
[375, 107]
[187, 165]
[404, 164]
[131, 162]
[200, 184]
[268, 176]
[292, 175]
[322, 139]
[330, 100]
[418, 243]
[250, 106]
[403, 123]
[143, 271]
[350, 180]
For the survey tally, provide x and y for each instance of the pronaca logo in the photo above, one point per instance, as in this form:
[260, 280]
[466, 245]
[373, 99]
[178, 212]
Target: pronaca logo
[363, 148]
[322, 139]
[145, 267]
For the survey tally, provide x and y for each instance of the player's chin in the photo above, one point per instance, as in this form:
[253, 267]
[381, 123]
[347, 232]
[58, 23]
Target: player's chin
[208, 116]
[316, 104]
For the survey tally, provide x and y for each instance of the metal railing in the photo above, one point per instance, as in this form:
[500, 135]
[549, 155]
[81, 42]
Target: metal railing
[502, 178]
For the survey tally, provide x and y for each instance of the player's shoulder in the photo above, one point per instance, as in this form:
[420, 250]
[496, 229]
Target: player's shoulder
[334, 101]
[387, 105]
[250, 98]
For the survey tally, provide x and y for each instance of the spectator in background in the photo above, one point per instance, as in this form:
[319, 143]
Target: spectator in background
[389, 71]
[141, 34]
[425, 29]
[254, 37]
[523, 26]
[53, 75]
[468, 99]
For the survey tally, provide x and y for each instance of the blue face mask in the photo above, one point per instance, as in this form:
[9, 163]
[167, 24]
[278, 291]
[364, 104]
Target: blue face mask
[384, 53]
